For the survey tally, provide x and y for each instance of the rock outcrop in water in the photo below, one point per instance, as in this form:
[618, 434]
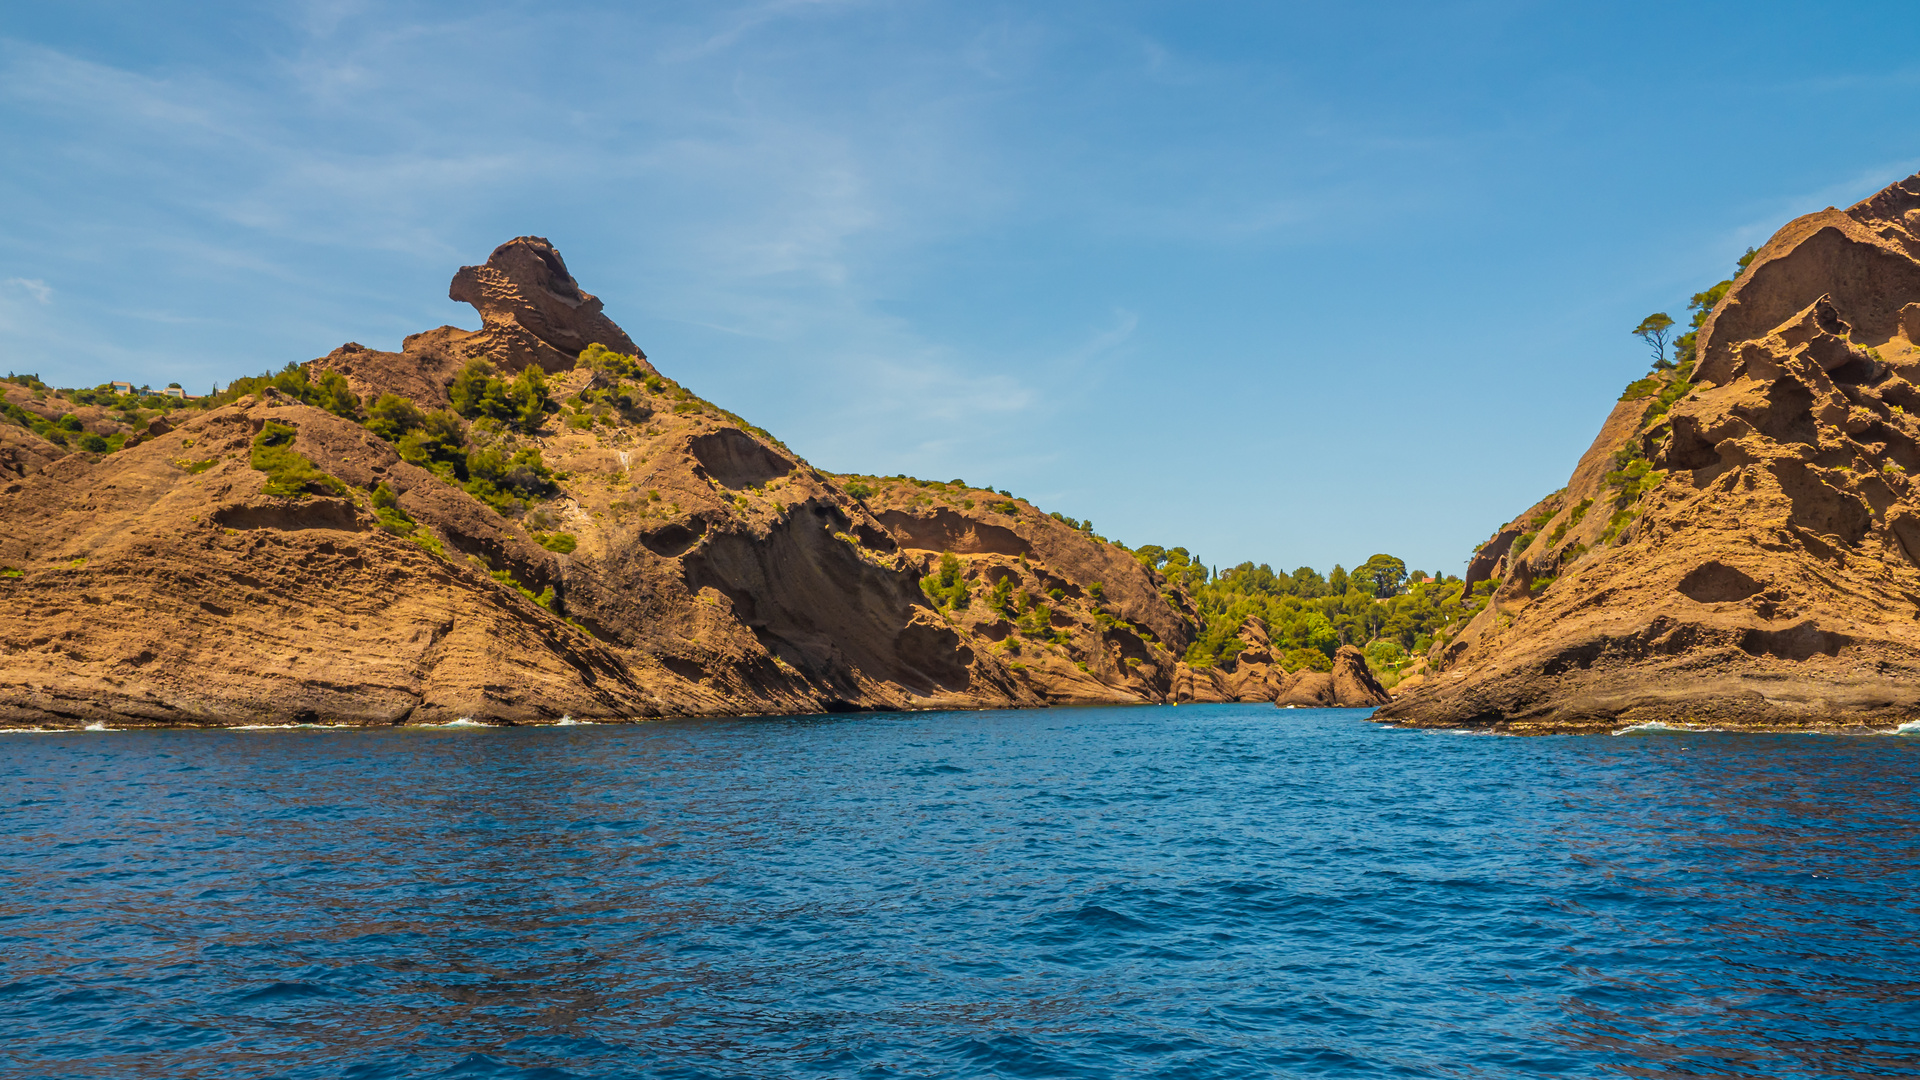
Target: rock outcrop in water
[681, 562]
[1749, 558]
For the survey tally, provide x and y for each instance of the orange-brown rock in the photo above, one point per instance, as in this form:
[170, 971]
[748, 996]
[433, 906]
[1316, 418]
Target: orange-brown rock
[23, 452]
[711, 570]
[1084, 623]
[1250, 675]
[1764, 571]
[1354, 686]
[155, 593]
[531, 309]
[1350, 685]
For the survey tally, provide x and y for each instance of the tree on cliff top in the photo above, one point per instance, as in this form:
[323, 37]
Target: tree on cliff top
[1654, 330]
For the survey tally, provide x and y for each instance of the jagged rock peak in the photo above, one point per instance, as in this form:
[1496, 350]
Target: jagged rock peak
[531, 309]
[1863, 261]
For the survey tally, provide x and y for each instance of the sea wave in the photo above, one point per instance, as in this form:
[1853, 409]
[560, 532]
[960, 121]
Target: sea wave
[1911, 727]
[1658, 727]
[98, 725]
[465, 721]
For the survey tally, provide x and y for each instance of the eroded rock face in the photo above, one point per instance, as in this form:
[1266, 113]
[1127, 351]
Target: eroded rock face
[531, 309]
[1082, 622]
[154, 593]
[1350, 685]
[1767, 577]
[1354, 687]
[1251, 675]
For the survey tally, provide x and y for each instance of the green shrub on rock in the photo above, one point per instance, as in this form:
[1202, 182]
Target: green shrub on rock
[1306, 660]
[439, 445]
[507, 481]
[1000, 596]
[386, 509]
[946, 587]
[606, 361]
[520, 403]
[393, 416]
[288, 474]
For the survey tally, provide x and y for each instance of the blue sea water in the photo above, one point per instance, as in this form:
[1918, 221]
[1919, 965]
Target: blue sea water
[1200, 891]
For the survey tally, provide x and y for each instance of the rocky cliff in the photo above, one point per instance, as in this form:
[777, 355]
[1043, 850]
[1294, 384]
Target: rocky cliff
[1255, 674]
[627, 549]
[1741, 551]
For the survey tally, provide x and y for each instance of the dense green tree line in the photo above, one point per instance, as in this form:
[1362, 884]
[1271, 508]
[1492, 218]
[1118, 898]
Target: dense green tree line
[1309, 615]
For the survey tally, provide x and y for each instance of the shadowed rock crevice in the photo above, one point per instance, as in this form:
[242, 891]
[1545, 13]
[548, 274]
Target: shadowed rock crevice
[945, 530]
[1717, 583]
[735, 460]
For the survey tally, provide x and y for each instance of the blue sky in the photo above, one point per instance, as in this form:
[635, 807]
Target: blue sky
[1282, 282]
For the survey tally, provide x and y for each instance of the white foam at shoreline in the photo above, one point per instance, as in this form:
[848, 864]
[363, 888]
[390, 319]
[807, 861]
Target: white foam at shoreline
[1911, 727]
[97, 725]
[465, 721]
[1657, 727]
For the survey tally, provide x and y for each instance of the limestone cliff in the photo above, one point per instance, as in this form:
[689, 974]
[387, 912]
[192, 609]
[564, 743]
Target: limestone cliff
[1748, 558]
[705, 568]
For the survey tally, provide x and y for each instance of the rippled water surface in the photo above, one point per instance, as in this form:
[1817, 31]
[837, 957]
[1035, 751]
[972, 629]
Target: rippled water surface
[1212, 891]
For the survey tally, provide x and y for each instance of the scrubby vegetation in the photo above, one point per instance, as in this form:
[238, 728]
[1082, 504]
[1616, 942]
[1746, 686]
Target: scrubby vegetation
[328, 392]
[519, 404]
[945, 586]
[482, 459]
[289, 474]
[618, 365]
[57, 430]
[589, 406]
[507, 479]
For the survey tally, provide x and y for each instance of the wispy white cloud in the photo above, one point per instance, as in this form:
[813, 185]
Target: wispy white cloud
[733, 26]
[34, 287]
